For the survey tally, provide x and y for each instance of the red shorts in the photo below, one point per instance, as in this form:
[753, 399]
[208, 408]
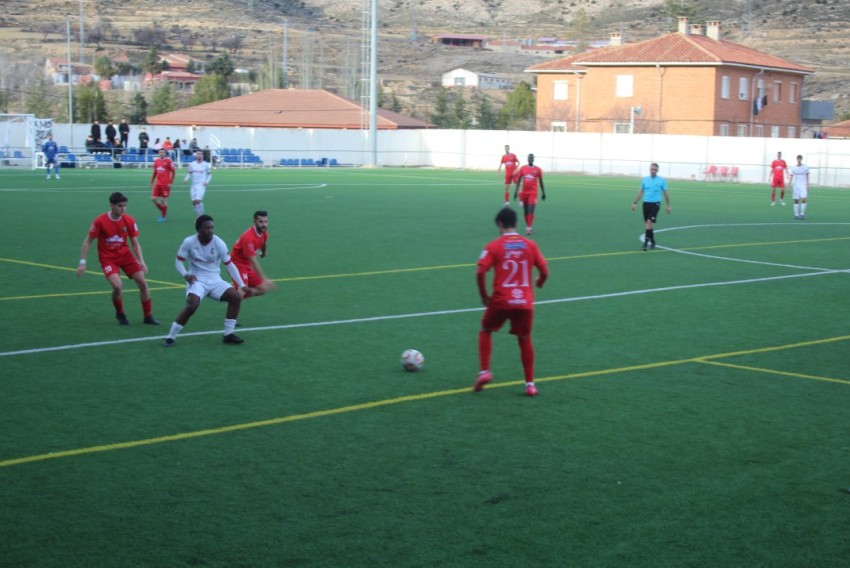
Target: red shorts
[778, 182]
[127, 263]
[510, 176]
[521, 320]
[528, 197]
[160, 190]
[249, 277]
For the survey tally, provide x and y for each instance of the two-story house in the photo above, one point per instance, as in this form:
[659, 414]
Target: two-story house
[688, 82]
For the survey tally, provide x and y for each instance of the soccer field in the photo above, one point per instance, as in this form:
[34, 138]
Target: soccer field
[693, 406]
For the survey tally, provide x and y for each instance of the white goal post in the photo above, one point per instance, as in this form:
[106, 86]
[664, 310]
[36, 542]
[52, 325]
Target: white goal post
[21, 137]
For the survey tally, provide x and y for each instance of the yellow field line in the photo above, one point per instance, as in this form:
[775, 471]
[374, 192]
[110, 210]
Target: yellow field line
[704, 359]
[775, 372]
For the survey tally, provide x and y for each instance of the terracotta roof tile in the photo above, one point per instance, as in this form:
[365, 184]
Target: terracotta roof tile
[284, 108]
[677, 48]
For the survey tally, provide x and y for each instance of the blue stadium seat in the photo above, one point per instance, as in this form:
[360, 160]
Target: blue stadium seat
[63, 149]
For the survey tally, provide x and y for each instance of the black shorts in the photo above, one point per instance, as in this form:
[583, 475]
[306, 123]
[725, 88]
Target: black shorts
[650, 210]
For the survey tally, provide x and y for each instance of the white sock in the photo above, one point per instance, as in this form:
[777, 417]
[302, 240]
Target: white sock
[796, 209]
[802, 209]
[199, 209]
[229, 326]
[175, 329]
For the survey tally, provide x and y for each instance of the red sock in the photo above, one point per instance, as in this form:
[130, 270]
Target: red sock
[485, 349]
[164, 210]
[529, 220]
[119, 306]
[526, 353]
[147, 307]
[507, 196]
[773, 195]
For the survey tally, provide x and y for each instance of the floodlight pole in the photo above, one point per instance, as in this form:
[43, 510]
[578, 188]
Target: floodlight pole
[70, 89]
[373, 86]
[285, 69]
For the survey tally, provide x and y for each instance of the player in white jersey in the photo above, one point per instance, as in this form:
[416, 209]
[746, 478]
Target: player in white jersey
[205, 252]
[800, 187]
[200, 173]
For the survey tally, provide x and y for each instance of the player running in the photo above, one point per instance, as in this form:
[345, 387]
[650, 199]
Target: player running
[510, 161]
[161, 179]
[529, 175]
[200, 173]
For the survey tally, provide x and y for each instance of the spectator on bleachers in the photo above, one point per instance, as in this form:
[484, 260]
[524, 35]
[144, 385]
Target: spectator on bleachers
[187, 151]
[124, 133]
[157, 145]
[95, 131]
[117, 148]
[143, 141]
[110, 132]
[168, 145]
[193, 145]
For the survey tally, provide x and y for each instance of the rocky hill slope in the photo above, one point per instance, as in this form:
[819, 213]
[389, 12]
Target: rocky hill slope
[323, 37]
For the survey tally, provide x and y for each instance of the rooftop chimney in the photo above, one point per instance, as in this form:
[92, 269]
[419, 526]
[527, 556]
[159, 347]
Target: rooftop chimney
[696, 29]
[712, 30]
[616, 39]
[683, 25]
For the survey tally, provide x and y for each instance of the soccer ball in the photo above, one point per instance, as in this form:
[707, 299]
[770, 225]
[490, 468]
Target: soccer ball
[412, 360]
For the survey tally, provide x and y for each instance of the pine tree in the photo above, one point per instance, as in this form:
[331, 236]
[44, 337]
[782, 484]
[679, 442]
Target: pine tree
[138, 110]
[518, 111]
[209, 89]
[36, 100]
[163, 99]
[441, 117]
[460, 114]
[486, 116]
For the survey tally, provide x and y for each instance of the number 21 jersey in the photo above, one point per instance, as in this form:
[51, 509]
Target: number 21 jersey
[513, 259]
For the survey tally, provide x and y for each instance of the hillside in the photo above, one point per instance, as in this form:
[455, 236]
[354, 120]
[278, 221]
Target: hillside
[324, 36]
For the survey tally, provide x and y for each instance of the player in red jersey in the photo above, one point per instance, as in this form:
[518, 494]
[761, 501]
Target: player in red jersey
[510, 161]
[113, 230]
[161, 179]
[512, 258]
[778, 172]
[529, 175]
[249, 245]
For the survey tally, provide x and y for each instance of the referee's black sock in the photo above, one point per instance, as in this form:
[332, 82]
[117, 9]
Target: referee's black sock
[648, 236]
[652, 235]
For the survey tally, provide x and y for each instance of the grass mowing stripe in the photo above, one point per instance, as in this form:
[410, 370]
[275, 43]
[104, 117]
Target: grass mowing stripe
[704, 359]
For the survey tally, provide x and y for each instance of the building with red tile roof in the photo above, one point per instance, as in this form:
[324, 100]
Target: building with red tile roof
[688, 82]
[285, 108]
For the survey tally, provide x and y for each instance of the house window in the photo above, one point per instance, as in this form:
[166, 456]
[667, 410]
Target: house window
[561, 91]
[460, 81]
[792, 96]
[724, 87]
[559, 126]
[622, 128]
[742, 130]
[758, 130]
[625, 85]
[777, 91]
[774, 132]
[724, 129]
[743, 89]
[792, 132]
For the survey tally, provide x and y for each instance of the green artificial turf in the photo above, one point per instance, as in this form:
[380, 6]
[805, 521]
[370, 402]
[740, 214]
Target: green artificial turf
[692, 409]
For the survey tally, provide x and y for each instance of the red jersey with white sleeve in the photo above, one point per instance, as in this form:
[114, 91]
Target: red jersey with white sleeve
[530, 175]
[513, 259]
[247, 246]
[778, 167]
[112, 236]
[163, 171]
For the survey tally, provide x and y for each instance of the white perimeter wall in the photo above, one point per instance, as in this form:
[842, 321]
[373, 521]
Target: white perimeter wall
[680, 157]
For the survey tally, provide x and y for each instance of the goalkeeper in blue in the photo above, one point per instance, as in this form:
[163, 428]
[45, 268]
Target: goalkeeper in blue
[50, 151]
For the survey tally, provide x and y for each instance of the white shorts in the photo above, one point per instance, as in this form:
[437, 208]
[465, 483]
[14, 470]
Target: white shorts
[800, 192]
[196, 193]
[214, 289]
